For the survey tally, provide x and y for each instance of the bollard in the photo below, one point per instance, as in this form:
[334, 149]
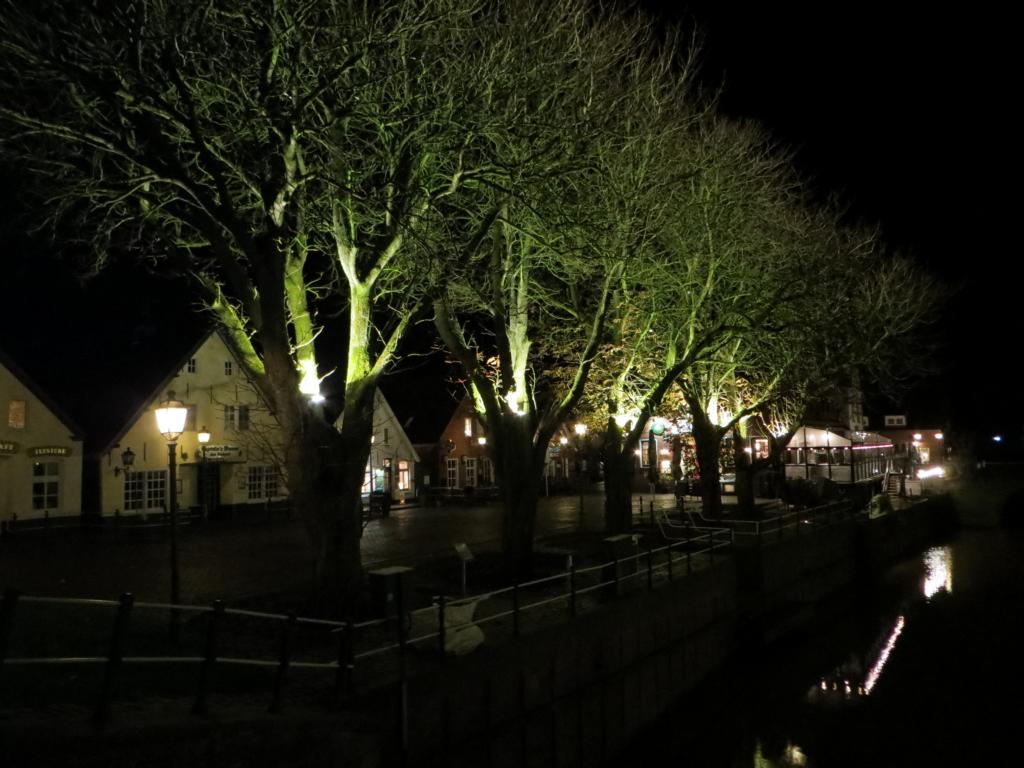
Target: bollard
[515, 609]
[440, 627]
[209, 658]
[572, 589]
[652, 511]
[7, 607]
[282, 664]
[346, 663]
[113, 665]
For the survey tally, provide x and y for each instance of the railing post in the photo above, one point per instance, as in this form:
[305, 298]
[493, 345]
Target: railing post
[282, 664]
[124, 610]
[572, 589]
[209, 658]
[689, 553]
[441, 633]
[711, 547]
[10, 601]
[515, 609]
[652, 511]
[650, 568]
[346, 663]
[668, 553]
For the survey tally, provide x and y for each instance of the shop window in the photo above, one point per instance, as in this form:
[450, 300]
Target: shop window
[403, 476]
[263, 483]
[45, 485]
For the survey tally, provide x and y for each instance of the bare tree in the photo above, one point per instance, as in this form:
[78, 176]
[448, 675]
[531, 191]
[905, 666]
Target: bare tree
[291, 157]
[546, 259]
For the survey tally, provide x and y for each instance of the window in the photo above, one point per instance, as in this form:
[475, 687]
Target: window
[228, 368]
[16, 414]
[895, 421]
[452, 466]
[403, 476]
[190, 367]
[385, 435]
[146, 489]
[644, 455]
[156, 489]
[467, 428]
[760, 448]
[486, 472]
[45, 485]
[470, 472]
[263, 483]
[243, 417]
[134, 485]
[229, 417]
[236, 417]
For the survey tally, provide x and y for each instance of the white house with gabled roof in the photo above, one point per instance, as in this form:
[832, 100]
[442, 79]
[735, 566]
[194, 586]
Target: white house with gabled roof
[391, 466]
[240, 464]
[40, 452]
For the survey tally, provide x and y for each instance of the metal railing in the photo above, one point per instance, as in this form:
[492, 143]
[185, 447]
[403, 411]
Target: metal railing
[346, 648]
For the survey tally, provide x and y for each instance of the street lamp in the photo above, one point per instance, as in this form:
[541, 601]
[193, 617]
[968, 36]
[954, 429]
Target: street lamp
[581, 429]
[204, 476]
[170, 421]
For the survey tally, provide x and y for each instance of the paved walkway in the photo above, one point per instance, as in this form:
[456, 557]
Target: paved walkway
[245, 559]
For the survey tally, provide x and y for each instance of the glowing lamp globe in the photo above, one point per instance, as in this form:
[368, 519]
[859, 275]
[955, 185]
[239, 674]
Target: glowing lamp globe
[170, 418]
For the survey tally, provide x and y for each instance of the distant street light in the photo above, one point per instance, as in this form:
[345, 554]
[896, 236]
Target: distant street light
[170, 421]
[581, 431]
[204, 473]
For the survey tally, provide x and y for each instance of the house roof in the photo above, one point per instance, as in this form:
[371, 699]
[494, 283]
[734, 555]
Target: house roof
[19, 373]
[157, 390]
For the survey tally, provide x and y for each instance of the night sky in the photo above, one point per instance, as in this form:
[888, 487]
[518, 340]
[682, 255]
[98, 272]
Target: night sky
[904, 115]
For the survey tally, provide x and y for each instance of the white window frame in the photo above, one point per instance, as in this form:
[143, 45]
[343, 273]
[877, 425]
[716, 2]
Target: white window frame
[403, 475]
[451, 473]
[263, 482]
[45, 485]
[229, 368]
[470, 471]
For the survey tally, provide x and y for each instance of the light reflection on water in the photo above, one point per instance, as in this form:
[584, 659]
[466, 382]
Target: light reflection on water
[938, 572]
[909, 663]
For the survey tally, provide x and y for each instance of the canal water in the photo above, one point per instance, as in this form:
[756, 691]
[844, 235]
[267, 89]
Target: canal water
[924, 667]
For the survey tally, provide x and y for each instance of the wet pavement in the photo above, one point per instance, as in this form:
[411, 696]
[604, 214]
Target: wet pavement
[244, 559]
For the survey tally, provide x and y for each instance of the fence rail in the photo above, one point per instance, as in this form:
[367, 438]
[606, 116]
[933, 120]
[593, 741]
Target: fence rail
[348, 649]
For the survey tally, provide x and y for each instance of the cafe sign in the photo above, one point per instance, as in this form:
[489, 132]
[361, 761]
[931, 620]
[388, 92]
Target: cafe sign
[221, 452]
[8, 448]
[50, 450]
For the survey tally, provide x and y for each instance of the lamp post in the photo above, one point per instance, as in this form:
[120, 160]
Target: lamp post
[204, 475]
[581, 431]
[170, 421]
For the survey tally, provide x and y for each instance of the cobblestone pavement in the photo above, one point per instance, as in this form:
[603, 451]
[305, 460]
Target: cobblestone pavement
[244, 559]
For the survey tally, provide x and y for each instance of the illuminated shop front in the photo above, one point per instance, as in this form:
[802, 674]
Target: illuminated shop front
[841, 455]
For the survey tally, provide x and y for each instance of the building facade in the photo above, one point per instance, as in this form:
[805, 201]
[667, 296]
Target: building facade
[464, 459]
[40, 452]
[238, 467]
[392, 465]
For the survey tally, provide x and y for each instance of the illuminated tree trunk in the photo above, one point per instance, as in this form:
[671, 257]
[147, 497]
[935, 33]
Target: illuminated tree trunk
[744, 465]
[618, 475]
[519, 465]
[708, 438]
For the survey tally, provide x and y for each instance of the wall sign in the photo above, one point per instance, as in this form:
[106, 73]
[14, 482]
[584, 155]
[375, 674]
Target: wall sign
[217, 452]
[8, 448]
[50, 450]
